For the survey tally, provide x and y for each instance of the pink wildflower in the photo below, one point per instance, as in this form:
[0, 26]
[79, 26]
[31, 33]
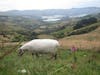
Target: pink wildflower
[73, 49]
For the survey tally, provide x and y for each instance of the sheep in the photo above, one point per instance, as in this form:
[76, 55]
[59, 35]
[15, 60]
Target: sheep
[40, 46]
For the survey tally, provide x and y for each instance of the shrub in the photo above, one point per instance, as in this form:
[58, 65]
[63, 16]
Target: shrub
[84, 29]
[58, 34]
[85, 22]
[18, 38]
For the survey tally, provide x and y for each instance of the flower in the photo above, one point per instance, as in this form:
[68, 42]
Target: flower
[84, 55]
[22, 71]
[73, 49]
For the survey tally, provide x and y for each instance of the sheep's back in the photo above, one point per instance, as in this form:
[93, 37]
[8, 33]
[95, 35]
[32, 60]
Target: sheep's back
[44, 45]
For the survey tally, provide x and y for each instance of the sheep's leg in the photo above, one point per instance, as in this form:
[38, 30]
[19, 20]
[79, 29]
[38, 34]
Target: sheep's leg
[32, 54]
[54, 56]
[37, 55]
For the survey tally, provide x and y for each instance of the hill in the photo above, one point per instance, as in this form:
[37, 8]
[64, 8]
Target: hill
[67, 12]
[17, 26]
[78, 25]
[84, 41]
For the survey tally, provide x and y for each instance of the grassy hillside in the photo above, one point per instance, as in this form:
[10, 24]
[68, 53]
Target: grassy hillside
[86, 63]
[94, 35]
[84, 41]
[85, 29]
[83, 61]
[84, 25]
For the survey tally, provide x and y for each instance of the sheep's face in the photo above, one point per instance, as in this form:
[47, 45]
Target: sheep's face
[21, 52]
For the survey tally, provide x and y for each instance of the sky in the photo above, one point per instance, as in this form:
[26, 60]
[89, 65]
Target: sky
[46, 4]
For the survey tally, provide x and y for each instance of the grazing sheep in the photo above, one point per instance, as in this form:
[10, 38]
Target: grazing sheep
[37, 46]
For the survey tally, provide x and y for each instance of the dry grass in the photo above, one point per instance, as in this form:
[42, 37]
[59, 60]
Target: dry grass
[44, 36]
[82, 44]
[86, 41]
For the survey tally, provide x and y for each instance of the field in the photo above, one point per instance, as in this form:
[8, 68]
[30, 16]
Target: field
[84, 61]
[85, 41]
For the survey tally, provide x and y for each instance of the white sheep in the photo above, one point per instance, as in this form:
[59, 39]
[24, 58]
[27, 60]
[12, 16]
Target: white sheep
[38, 46]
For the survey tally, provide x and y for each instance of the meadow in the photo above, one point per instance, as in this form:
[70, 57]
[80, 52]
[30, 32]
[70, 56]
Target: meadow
[84, 61]
[80, 62]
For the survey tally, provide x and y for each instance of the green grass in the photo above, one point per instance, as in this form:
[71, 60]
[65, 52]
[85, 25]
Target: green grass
[87, 63]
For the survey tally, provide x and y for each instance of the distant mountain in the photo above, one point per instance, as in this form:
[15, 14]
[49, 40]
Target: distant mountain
[11, 22]
[50, 12]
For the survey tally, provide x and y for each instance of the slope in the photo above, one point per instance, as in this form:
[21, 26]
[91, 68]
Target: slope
[89, 40]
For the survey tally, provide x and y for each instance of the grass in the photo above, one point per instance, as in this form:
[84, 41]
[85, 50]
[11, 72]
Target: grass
[88, 63]
[88, 58]
[82, 44]
[45, 36]
[83, 41]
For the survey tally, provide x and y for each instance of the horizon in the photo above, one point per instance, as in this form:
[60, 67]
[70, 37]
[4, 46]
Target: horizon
[46, 9]
[8, 5]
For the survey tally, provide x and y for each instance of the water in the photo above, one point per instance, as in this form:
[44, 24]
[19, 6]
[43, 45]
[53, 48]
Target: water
[82, 15]
[52, 18]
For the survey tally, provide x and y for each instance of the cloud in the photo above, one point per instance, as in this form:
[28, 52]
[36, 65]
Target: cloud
[6, 5]
[89, 3]
[45, 4]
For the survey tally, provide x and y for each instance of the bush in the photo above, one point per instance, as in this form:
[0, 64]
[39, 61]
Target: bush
[18, 38]
[85, 22]
[28, 35]
[58, 34]
[84, 29]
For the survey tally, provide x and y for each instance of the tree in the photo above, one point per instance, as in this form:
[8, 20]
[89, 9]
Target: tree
[85, 22]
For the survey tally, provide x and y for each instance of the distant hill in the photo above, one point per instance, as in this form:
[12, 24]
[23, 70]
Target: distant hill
[29, 24]
[69, 30]
[48, 12]
[23, 22]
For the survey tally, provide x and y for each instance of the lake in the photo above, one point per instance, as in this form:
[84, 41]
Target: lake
[52, 18]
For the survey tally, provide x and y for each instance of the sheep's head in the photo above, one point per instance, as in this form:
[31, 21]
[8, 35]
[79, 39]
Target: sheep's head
[21, 52]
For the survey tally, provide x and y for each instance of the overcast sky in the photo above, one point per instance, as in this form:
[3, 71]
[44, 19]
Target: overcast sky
[46, 4]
